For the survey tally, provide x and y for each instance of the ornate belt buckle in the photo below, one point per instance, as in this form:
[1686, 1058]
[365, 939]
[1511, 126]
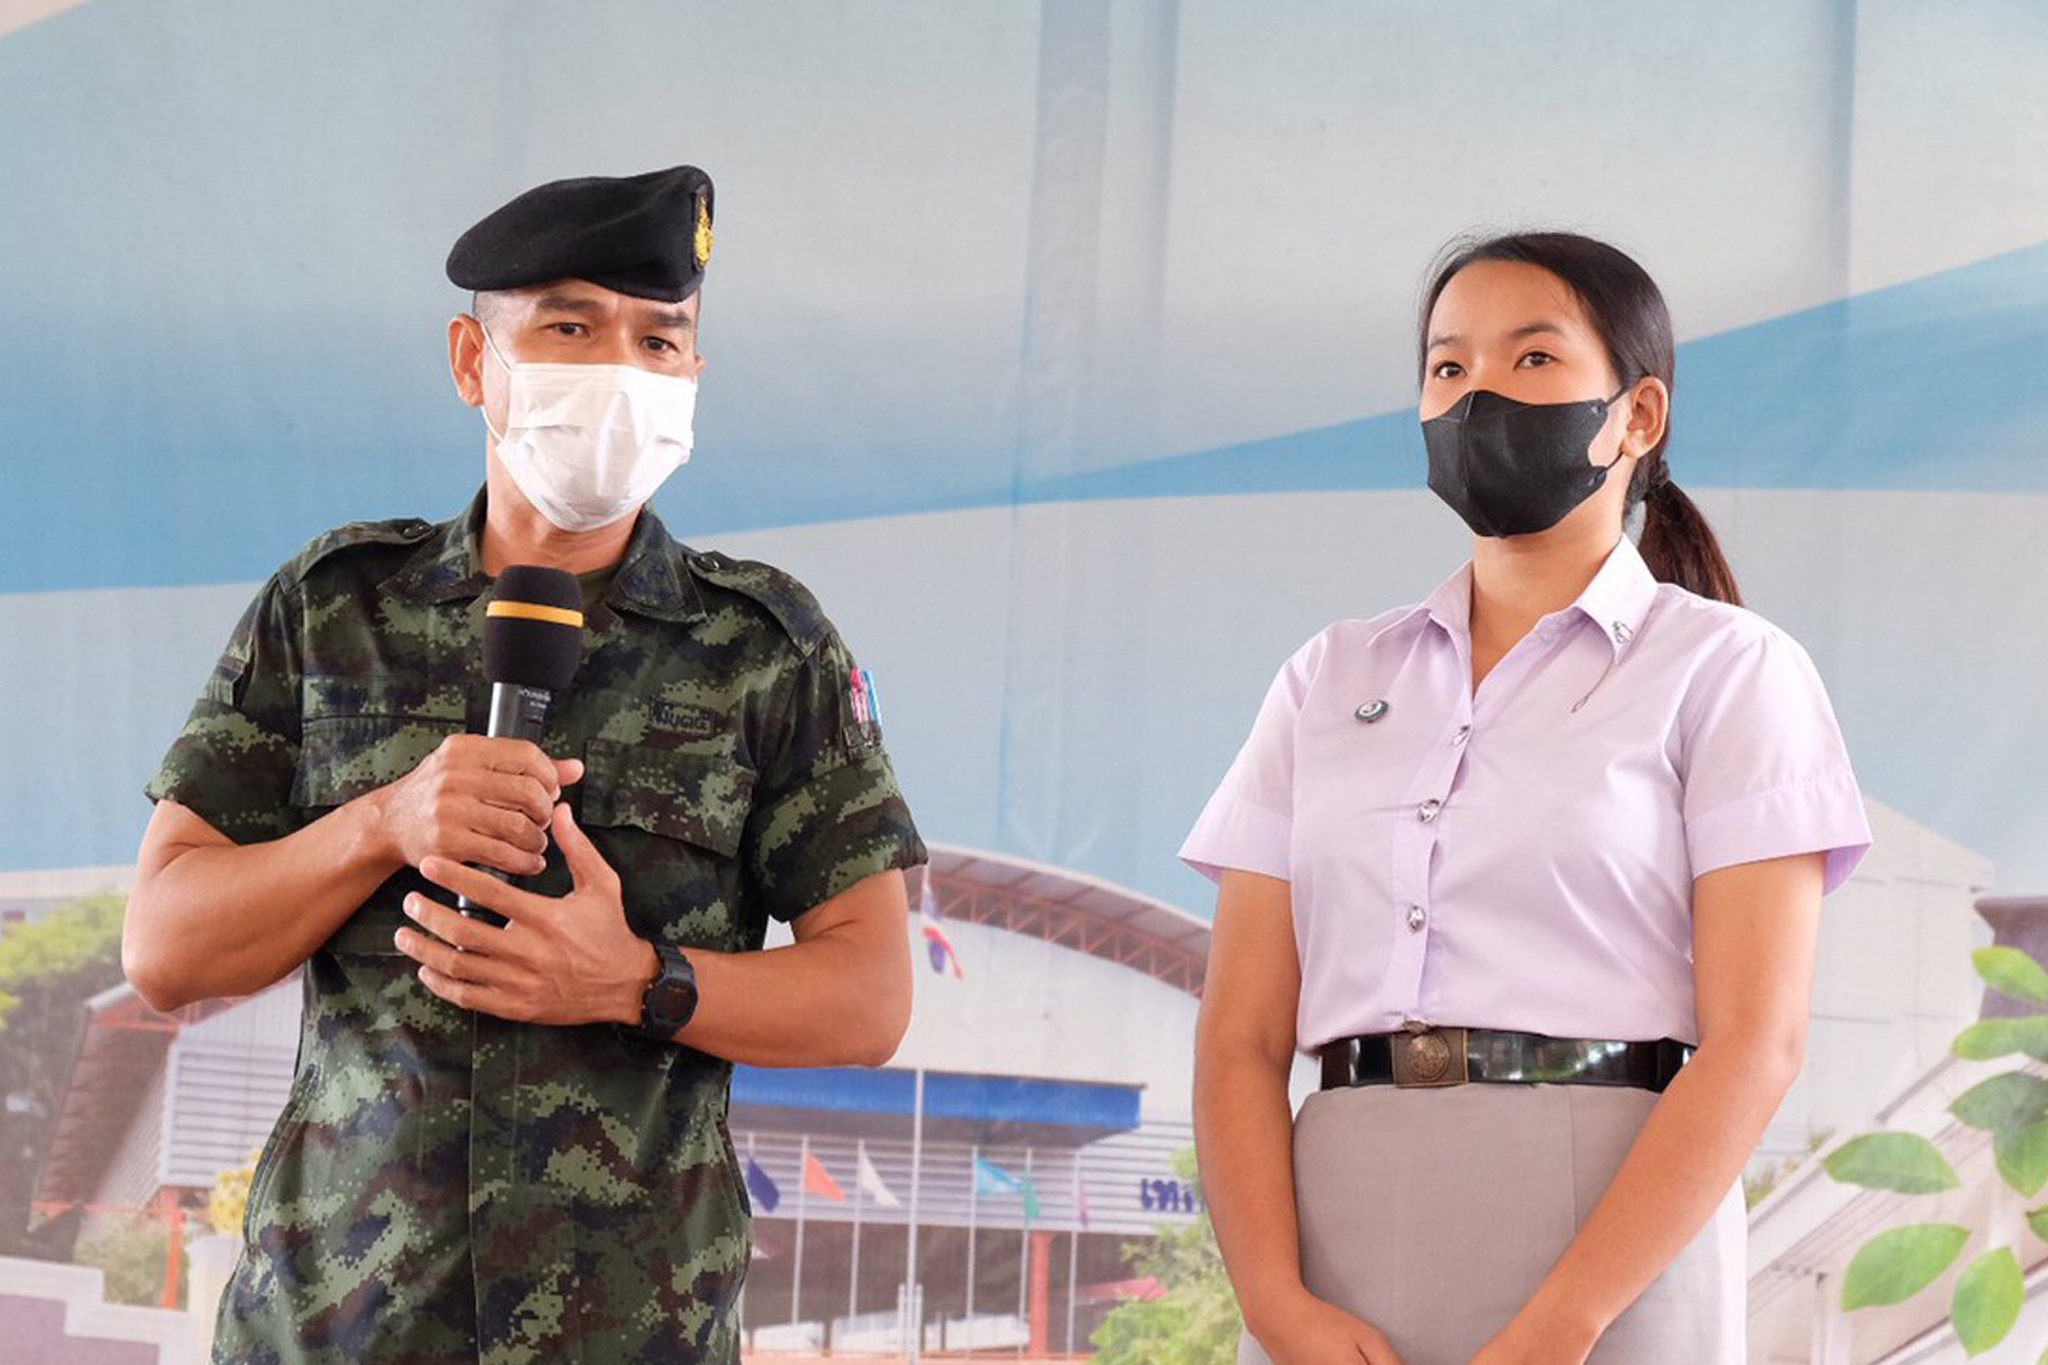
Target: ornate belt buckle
[1431, 1056]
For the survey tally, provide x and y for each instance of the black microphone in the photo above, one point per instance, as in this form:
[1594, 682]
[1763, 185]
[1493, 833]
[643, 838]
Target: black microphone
[533, 636]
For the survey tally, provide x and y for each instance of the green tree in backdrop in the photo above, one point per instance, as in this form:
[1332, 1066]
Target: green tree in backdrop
[49, 968]
[1195, 1322]
[2012, 1107]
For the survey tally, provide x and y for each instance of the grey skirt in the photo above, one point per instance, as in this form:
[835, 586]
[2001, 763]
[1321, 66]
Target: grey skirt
[1434, 1214]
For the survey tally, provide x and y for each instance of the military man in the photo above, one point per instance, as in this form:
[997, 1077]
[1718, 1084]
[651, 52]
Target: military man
[506, 1141]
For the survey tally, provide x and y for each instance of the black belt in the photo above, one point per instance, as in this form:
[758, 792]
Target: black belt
[1450, 1055]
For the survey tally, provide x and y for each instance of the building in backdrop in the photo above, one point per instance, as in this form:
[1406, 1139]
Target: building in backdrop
[1027, 1125]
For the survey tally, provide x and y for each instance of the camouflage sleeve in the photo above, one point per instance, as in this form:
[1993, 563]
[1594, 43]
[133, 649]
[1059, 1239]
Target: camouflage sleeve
[826, 811]
[233, 763]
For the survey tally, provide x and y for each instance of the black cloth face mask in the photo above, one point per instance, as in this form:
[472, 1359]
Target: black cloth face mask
[1511, 468]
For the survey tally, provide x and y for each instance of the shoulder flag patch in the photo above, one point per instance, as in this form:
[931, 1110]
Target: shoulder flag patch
[867, 707]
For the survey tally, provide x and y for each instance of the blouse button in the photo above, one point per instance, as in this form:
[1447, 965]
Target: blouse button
[1429, 810]
[1464, 732]
[1415, 917]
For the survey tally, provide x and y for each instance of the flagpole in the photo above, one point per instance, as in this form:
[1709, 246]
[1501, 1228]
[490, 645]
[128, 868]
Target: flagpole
[1074, 1254]
[973, 1201]
[860, 1186]
[803, 1195]
[913, 1311]
[1024, 1238]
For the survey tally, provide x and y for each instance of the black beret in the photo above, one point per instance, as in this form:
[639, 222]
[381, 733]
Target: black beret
[645, 235]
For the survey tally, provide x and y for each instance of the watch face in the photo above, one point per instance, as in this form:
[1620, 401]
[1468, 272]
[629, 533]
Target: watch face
[672, 999]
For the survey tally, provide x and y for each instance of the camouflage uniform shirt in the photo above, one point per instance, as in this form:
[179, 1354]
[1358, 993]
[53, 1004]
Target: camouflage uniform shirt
[445, 1185]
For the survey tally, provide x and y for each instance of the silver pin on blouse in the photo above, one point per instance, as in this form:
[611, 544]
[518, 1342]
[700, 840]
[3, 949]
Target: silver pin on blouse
[1371, 711]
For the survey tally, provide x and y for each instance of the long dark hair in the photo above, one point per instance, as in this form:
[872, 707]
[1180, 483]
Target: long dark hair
[1628, 311]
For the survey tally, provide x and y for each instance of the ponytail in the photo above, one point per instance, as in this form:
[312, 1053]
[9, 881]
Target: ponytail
[1677, 544]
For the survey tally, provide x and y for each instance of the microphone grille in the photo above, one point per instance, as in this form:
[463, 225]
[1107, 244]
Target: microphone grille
[533, 627]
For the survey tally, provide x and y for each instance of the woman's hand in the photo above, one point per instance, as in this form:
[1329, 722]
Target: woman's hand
[1529, 1339]
[1310, 1331]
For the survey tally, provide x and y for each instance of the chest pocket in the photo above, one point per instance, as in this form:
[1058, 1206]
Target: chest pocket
[699, 798]
[361, 733]
[358, 733]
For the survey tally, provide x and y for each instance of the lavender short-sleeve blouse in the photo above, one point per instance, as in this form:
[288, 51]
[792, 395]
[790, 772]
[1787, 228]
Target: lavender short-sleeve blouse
[1524, 858]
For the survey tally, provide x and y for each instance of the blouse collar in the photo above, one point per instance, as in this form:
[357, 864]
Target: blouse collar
[1616, 601]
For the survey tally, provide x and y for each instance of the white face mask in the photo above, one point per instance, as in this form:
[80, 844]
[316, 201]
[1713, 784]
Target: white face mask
[588, 444]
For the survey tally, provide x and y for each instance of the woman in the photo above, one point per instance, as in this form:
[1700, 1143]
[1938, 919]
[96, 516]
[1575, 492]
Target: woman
[1507, 859]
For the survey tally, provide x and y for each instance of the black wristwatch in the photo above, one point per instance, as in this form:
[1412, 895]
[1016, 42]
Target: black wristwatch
[671, 998]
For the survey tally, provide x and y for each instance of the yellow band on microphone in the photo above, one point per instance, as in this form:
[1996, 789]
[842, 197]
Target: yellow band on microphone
[534, 611]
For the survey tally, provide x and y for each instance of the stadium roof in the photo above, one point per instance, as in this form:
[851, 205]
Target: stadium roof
[1071, 909]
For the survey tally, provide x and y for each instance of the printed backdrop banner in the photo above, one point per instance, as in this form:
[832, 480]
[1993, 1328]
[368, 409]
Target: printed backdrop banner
[1065, 349]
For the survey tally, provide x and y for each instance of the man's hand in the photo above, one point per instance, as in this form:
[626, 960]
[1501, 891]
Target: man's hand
[572, 960]
[475, 800]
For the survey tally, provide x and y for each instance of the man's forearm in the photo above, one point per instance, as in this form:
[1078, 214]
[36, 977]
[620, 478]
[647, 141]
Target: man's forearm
[1690, 1149]
[226, 919]
[826, 1001]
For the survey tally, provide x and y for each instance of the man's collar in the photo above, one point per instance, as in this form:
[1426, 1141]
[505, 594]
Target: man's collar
[647, 582]
[448, 567]
[1617, 600]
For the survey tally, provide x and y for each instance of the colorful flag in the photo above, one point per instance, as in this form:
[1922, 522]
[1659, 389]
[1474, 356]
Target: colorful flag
[990, 1178]
[935, 941]
[763, 1190]
[819, 1181]
[871, 1181]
